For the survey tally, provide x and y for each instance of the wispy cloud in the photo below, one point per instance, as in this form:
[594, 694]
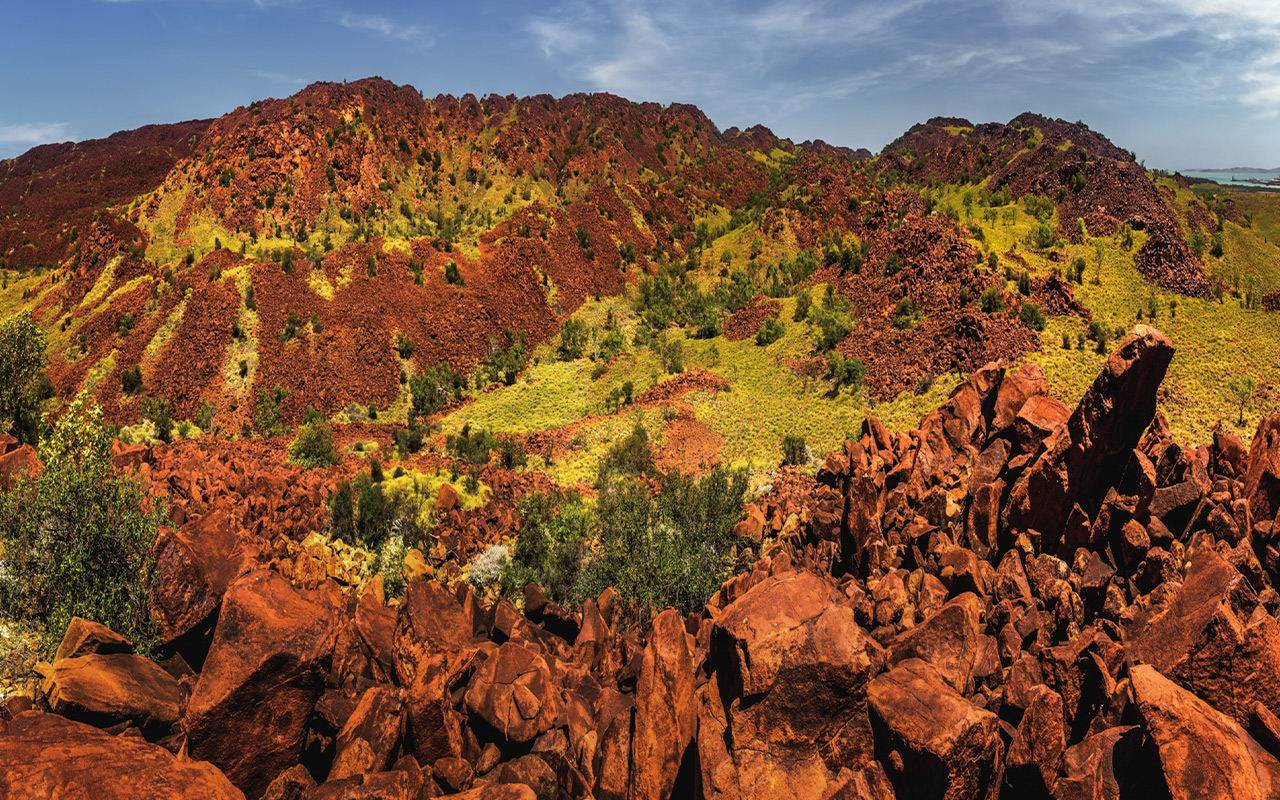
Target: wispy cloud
[276, 77]
[387, 28]
[32, 133]
[794, 55]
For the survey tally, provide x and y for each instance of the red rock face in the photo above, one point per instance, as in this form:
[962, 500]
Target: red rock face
[899, 638]
[264, 673]
[44, 755]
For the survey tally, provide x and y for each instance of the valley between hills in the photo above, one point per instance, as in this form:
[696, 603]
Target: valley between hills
[368, 445]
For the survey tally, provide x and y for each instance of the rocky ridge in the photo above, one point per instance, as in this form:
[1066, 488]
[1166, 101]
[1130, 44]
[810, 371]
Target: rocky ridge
[1016, 599]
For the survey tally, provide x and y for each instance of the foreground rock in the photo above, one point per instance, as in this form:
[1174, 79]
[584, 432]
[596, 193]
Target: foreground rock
[250, 710]
[106, 690]
[46, 756]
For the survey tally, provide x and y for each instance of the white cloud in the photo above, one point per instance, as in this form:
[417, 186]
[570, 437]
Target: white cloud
[32, 133]
[386, 28]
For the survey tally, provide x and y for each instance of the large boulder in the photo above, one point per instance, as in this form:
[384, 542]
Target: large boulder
[84, 637]
[1203, 753]
[1262, 483]
[46, 756]
[514, 692]
[107, 689]
[1212, 639]
[194, 566]
[1088, 455]
[948, 640]
[666, 716]
[788, 709]
[265, 671]
[932, 742]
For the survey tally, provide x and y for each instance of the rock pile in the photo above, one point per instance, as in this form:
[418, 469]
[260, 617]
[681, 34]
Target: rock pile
[1016, 599]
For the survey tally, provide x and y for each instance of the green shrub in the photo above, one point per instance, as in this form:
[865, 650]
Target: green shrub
[156, 409]
[312, 447]
[770, 332]
[554, 530]
[266, 411]
[22, 378]
[1043, 236]
[404, 346]
[124, 324]
[471, 446]
[795, 450]
[845, 372]
[452, 275]
[434, 388]
[908, 314]
[204, 417]
[77, 539]
[131, 380]
[991, 300]
[1031, 316]
[573, 339]
[892, 265]
[804, 299]
[630, 455]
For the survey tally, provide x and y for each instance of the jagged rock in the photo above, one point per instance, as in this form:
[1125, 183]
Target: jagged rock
[378, 719]
[1015, 390]
[194, 566]
[1031, 766]
[948, 640]
[789, 658]
[265, 670]
[1262, 483]
[1091, 450]
[44, 756]
[295, 783]
[932, 742]
[496, 791]
[666, 714]
[84, 637]
[515, 693]
[107, 689]
[1110, 765]
[1203, 753]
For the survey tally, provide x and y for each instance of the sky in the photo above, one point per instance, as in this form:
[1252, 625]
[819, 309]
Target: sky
[1185, 84]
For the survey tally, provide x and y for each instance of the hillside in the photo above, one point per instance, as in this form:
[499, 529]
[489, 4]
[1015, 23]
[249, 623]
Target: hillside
[574, 448]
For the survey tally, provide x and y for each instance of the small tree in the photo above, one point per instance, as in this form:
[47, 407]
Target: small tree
[77, 539]
[795, 450]
[22, 378]
[313, 447]
[770, 332]
[573, 339]
[990, 300]
[1031, 316]
[1242, 388]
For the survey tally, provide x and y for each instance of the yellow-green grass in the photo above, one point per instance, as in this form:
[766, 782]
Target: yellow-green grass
[1214, 341]
[422, 488]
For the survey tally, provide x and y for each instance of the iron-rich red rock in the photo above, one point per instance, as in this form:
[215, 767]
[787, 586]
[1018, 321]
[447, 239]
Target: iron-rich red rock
[932, 742]
[1204, 753]
[107, 689]
[1090, 452]
[45, 756]
[265, 670]
[514, 691]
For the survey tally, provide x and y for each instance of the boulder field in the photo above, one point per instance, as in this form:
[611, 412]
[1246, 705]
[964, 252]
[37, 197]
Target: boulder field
[1016, 600]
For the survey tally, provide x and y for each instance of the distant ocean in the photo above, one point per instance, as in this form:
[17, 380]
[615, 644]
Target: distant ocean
[1245, 179]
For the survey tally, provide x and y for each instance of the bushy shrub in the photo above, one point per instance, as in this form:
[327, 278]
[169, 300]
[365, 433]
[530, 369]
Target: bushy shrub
[266, 411]
[434, 388]
[804, 300]
[312, 447]
[770, 331]
[23, 384]
[77, 539]
[156, 409]
[630, 455]
[131, 380]
[991, 300]
[490, 566]
[795, 450]
[573, 339]
[472, 446]
[845, 372]
[1031, 316]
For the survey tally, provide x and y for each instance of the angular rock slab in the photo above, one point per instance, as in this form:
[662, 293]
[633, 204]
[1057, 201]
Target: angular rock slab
[46, 756]
[513, 691]
[250, 709]
[1204, 753]
[932, 742]
[108, 689]
[788, 709]
[1089, 453]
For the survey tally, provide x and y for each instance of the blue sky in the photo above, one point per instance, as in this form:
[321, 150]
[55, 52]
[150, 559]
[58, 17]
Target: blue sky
[1183, 83]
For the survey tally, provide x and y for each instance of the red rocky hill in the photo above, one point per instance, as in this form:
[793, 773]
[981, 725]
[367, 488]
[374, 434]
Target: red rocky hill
[352, 203]
[916, 628]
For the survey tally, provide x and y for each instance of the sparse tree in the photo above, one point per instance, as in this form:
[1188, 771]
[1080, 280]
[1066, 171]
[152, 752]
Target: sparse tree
[1242, 388]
